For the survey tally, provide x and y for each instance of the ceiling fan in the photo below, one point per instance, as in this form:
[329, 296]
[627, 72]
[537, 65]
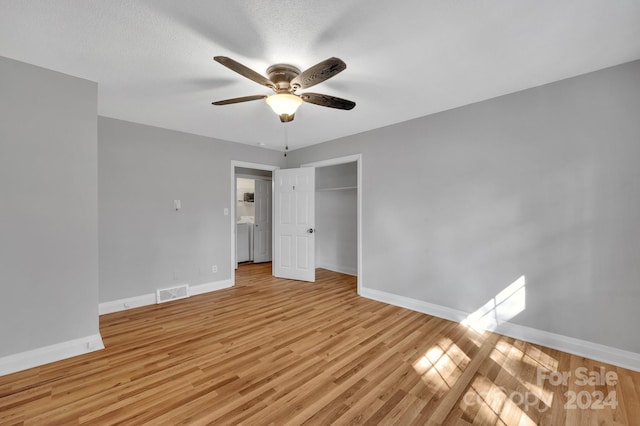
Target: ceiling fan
[285, 80]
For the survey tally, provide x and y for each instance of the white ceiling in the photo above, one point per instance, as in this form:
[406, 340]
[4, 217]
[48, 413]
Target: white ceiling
[153, 62]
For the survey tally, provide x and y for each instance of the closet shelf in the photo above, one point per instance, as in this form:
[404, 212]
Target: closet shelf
[336, 189]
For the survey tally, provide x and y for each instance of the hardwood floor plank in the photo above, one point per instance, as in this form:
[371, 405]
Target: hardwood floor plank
[272, 351]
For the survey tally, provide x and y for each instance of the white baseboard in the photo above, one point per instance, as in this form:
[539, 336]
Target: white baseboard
[414, 304]
[595, 351]
[208, 287]
[339, 268]
[150, 298]
[59, 351]
[127, 303]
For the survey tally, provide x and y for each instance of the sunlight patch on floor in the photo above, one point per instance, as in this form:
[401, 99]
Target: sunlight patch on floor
[514, 362]
[442, 364]
[542, 359]
[487, 403]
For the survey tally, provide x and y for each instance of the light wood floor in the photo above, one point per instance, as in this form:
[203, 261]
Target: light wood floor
[271, 351]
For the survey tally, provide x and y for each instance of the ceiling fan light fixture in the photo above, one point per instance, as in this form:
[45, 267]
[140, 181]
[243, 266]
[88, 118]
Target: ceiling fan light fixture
[284, 104]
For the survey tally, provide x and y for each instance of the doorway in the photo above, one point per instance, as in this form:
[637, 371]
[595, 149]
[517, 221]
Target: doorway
[337, 181]
[337, 218]
[260, 173]
[357, 159]
[253, 215]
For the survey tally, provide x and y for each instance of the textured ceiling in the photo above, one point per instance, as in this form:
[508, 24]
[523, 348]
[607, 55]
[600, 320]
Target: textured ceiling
[405, 59]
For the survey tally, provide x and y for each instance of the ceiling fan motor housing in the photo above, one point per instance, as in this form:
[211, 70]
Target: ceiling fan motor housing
[281, 75]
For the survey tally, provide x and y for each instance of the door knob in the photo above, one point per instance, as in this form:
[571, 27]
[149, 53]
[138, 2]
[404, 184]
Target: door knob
[310, 230]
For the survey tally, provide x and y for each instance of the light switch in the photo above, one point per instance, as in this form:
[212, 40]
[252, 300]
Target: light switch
[226, 211]
[177, 204]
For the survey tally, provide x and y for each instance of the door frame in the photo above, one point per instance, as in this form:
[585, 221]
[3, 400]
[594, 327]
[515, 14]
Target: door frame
[232, 209]
[357, 158]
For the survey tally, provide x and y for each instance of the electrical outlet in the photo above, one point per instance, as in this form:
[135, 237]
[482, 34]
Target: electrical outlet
[214, 269]
[126, 305]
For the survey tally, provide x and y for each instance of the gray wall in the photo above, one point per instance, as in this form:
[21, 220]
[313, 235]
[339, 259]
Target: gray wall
[542, 183]
[144, 243]
[48, 207]
[337, 218]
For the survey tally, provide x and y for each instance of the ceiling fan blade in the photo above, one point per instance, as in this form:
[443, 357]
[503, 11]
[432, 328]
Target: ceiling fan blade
[238, 100]
[318, 73]
[244, 71]
[327, 101]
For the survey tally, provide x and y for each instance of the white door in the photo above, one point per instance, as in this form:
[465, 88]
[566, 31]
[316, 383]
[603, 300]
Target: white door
[262, 226]
[294, 219]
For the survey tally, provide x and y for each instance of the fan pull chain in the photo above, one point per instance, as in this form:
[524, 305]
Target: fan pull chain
[286, 141]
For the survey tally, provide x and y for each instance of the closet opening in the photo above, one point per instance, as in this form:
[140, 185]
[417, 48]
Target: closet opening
[337, 218]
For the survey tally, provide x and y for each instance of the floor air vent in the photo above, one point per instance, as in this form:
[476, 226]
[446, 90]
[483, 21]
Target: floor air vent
[172, 293]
